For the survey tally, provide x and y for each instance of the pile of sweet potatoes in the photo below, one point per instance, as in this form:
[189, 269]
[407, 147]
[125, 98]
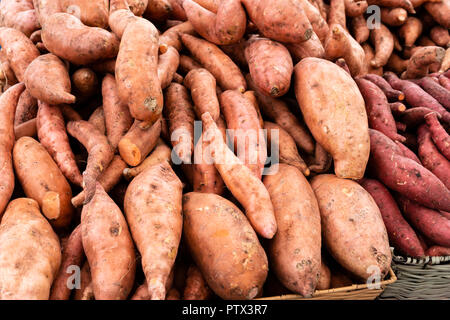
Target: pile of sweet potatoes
[167, 149]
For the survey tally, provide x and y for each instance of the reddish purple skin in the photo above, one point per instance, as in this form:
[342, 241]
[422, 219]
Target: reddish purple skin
[408, 153]
[429, 222]
[392, 94]
[439, 135]
[435, 90]
[444, 82]
[437, 251]
[416, 96]
[404, 175]
[401, 235]
[415, 116]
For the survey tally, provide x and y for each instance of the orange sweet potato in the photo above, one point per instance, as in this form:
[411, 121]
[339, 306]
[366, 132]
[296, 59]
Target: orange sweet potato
[97, 119]
[20, 15]
[85, 291]
[44, 9]
[42, 181]
[324, 282]
[405, 4]
[309, 48]
[93, 13]
[196, 287]
[359, 29]
[27, 241]
[440, 11]
[120, 16]
[318, 23]
[336, 14]
[383, 42]
[27, 108]
[410, 31]
[421, 60]
[236, 271]
[355, 8]
[85, 83]
[26, 129]
[67, 37]
[345, 138]
[352, 226]
[167, 66]
[171, 37]
[295, 249]
[393, 17]
[153, 202]
[158, 10]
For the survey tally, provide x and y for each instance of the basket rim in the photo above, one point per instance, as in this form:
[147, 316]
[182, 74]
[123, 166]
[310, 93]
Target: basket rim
[432, 260]
[354, 287]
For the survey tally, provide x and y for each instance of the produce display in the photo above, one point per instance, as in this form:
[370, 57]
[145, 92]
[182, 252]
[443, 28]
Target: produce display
[219, 149]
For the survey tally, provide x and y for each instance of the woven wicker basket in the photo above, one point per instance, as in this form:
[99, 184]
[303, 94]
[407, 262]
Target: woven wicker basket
[424, 279]
[354, 292]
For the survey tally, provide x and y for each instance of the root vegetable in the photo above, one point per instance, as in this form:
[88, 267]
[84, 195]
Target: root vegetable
[439, 135]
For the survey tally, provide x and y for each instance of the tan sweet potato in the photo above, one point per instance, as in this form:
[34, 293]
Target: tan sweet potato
[410, 31]
[440, 11]
[318, 23]
[445, 65]
[336, 14]
[421, 60]
[52, 134]
[354, 8]
[438, 251]
[97, 119]
[383, 42]
[8, 104]
[26, 129]
[270, 66]
[396, 64]
[44, 9]
[352, 226]
[19, 15]
[118, 119]
[227, 74]
[295, 249]
[393, 17]
[108, 247]
[309, 48]
[42, 181]
[345, 138]
[153, 202]
[27, 108]
[20, 51]
[188, 64]
[7, 76]
[159, 10]
[239, 269]
[405, 4]
[324, 282]
[85, 83]
[171, 37]
[30, 253]
[120, 16]
[196, 287]
[93, 13]
[167, 66]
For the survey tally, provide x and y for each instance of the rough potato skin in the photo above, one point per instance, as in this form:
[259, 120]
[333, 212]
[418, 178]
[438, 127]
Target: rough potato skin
[440, 11]
[108, 246]
[30, 253]
[309, 48]
[27, 108]
[283, 20]
[50, 87]
[67, 37]
[352, 226]
[433, 88]
[20, 51]
[440, 137]
[20, 15]
[407, 177]
[51, 130]
[294, 251]
[391, 94]
[226, 72]
[359, 29]
[137, 71]
[421, 60]
[236, 271]
[202, 85]
[401, 235]
[93, 13]
[171, 37]
[383, 42]
[196, 287]
[42, 181]
[153, 209]
[44, 9]
[167, 66]
[138, 6]
[97, 119]
[270, 66]
[225, 26]
[334, 111]
[8, 104]
[72, 255]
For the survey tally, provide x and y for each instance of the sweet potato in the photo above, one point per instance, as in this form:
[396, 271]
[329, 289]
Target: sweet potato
[108, 247]
[105, 66]
[391, 94]
[396, 64]
[239, 269]
[407, 177]
[251, 96]
[439, 135]
[400, 233]
[180, 113]
[245, 130]
[26, 129]
[138, 83]
[383, 42]
[445, 65]
[270, 66]
[120, 16]
[42, 181]
[429, 222]
[309, 48]
[97, 119]
[100, 153]
[167, 66]
[20, 15]
[440, 12]
[324, 282]
[72, 255]
[345, 138]
[138, 7]
[336, 14]
[227, 74]
[352, 226]
[415, 116]
[410, 31]
[359, 29]
[421, 60]
[20, 51]
[159, 10]
[85, 291]
[369, 55]
[171, 37]
[139, 141]
[322, 160]
[44, 9]
[393, 17]
[85, 83]
[226, 26]
[430, 156]
[435, 90]
[177, 10]
[408, 153]
[278, 139]
[188, 64]
[240, 180]
[378, 110]
[7, 76]
[52, 134]
[283, 21]
[444, 82]
[50, 87]
[405, 4]
[295, 249]
[118, 119]
[340, 44]
[397, 108]
[196, 287]
[27, 108]
[437, 251]
[8, 104]
[29, 245]
[202, 85]
[440, 36]
[108, 179]
[93, 13]
[67, 37]
[153, 202]
[318, 23]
